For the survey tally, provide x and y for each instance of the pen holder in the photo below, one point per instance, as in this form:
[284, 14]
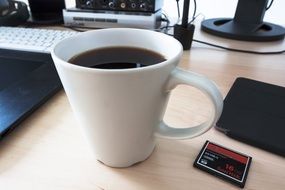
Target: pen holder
[184, 35]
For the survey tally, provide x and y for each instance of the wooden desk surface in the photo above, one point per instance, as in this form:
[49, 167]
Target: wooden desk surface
[47, 150]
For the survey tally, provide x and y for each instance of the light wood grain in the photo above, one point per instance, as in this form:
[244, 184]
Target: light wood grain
[47, 151]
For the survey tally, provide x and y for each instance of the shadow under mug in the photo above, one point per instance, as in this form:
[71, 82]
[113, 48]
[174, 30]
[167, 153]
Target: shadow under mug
[121, 111]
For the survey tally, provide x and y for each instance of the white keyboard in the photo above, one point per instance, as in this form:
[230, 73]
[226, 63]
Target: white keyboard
[31, 39]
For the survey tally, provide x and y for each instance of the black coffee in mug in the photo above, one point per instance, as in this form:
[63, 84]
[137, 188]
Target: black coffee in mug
[117, 58]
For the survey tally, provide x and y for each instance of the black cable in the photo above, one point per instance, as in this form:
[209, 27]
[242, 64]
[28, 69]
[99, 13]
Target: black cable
[268, 7]
[240, 50]
[178, 9]
[77, 29]
[165, 19]
[195, 9]
[194, 13]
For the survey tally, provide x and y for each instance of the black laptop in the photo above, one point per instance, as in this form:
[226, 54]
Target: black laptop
[27, 80]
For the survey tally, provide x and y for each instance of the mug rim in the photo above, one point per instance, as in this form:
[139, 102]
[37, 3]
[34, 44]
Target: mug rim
[87, 69]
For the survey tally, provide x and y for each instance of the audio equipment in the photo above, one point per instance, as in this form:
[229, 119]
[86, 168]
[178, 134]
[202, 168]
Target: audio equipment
[150, 6]
[13, 13]
[110, 19]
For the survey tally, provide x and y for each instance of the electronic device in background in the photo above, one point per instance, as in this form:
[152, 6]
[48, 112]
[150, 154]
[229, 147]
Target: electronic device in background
[144, 14]
[46, 11]
[75, 17]
[31, 39]
[150, 6]
[28, 77]
[27, 80]
[247, 23]
[254, 113]
[13, 13]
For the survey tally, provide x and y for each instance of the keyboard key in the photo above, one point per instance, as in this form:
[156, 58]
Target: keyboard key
[31, 39]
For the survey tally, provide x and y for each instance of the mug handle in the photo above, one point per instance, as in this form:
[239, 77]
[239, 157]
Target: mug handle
[209, 88]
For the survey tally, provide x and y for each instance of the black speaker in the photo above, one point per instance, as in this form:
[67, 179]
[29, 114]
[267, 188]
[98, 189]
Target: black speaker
[47, 11]
[13, 13]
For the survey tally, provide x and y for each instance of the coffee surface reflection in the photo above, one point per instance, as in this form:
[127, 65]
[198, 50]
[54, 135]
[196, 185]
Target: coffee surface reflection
[117, 58]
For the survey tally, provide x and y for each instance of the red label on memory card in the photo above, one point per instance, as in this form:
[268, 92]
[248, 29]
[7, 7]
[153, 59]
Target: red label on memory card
[220, 150]
[223, 162]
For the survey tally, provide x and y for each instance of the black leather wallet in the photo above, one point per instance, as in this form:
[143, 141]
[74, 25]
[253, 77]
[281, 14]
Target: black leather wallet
[254, 113]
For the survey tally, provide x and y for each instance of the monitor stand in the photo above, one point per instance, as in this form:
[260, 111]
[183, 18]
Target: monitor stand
[247, 24]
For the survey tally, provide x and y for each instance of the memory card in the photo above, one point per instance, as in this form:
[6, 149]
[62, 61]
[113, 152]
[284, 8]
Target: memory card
[224, 163]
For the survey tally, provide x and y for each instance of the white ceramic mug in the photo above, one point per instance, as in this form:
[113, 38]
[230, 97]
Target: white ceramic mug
[121, 111]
